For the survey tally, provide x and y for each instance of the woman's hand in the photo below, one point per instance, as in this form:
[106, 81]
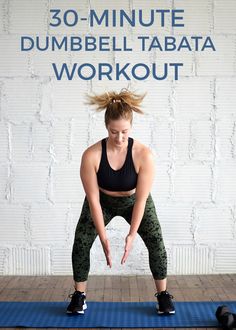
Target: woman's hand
[128, 244]
[107, 251]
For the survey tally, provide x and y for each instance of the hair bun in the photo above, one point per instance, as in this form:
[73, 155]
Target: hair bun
[115, 100]
[125, 98]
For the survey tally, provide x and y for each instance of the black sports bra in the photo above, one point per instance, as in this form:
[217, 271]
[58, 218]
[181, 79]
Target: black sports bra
[124, 179]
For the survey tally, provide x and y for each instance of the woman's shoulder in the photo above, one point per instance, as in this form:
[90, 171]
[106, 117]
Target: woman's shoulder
[141, 150]
[93, 153]
[93, 149]
[142, 156]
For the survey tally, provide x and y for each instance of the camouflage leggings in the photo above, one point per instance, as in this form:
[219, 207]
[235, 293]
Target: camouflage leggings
[149, 230]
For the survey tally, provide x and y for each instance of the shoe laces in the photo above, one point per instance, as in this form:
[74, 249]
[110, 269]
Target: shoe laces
[76, 295]
[162, 293]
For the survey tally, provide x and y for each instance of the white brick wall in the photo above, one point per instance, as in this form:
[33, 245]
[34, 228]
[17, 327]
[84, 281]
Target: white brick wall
[35, 15]
[24, 261]
[20, 99]
[2, 261]
[189, 124]
[13, 63]
[198, 18]
[14, 224]
[210, 63]
[193, 259]
[224, 16]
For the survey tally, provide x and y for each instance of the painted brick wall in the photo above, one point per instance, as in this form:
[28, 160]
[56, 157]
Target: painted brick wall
[190, 125]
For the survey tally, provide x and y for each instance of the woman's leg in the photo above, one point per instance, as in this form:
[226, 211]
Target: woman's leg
[85, 236]
[161, 284]
[150, 232]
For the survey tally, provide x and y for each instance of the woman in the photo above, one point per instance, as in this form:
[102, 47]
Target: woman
[117, 174]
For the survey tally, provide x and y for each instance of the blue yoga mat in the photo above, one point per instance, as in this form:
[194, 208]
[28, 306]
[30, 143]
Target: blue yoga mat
[109, 315]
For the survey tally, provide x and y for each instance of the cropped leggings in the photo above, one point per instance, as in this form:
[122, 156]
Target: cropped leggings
[149, 230]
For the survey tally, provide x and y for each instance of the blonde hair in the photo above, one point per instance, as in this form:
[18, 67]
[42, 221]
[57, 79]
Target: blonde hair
[117, 105]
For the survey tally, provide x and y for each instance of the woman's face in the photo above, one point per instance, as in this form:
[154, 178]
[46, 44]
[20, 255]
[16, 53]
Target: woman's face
[118, 131]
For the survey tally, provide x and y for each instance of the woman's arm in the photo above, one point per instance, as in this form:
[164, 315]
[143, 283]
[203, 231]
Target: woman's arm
[143, 188]
[89, 180]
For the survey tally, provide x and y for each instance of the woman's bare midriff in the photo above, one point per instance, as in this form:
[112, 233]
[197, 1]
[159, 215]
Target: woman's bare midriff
[118, 193]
